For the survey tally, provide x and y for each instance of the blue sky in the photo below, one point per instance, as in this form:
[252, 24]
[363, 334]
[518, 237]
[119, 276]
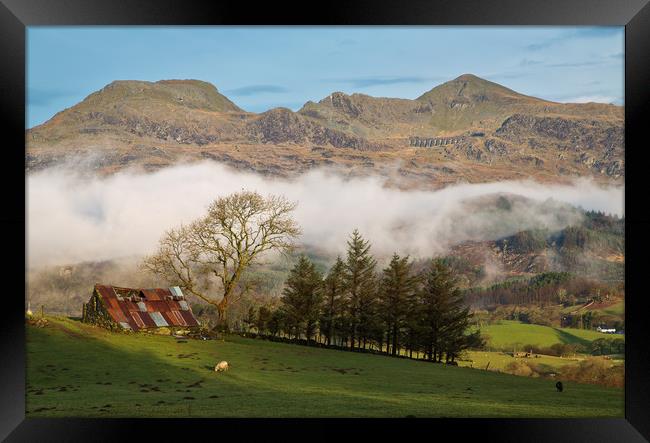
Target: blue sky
[264, 67]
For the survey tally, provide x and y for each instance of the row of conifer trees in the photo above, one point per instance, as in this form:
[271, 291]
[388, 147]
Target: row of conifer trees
[396, 311]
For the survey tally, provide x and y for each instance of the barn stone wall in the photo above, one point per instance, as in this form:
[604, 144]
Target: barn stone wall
[95, 313]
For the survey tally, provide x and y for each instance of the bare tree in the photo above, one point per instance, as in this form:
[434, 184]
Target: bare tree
[223, 244]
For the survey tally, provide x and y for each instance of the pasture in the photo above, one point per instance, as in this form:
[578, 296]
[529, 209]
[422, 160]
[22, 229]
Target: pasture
[509, 334]
[77, 370]
[499, 360]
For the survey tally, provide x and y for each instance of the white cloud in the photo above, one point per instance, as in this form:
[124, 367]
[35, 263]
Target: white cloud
[72, 218]
[592, 98]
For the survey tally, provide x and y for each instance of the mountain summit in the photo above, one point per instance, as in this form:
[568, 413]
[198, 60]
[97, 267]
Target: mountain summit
[475, 89]
[194, 94]
[464, 103]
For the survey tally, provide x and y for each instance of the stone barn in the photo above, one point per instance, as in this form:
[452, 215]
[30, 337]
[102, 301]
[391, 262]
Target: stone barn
[158, 310]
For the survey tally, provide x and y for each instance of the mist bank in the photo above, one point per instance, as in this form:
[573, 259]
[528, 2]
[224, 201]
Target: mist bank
[73, 218]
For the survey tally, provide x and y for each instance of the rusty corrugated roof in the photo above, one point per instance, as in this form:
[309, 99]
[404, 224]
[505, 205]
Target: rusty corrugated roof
[161, 305]
[188, 316]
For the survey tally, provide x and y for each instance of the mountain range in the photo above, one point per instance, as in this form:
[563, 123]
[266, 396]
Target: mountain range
[465, 130]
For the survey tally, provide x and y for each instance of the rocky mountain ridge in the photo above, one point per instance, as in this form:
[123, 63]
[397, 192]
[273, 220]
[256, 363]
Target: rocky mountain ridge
[499, 133]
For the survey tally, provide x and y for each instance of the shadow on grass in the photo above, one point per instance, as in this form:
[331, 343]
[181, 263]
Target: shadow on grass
[568, 338]
[76, 370]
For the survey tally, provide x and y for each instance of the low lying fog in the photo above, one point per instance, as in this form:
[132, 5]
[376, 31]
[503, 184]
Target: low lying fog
[72, 219]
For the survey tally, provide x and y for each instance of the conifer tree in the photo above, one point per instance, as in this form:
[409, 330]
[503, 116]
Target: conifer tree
[436, 293]
[445, 318]
[397, 287]
[250, 318]
[333, 291]
[302, 299]
[360, 285]
[277, 322]
[263, 319]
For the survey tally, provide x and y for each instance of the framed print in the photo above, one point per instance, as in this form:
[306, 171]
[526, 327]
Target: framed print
[274, 221]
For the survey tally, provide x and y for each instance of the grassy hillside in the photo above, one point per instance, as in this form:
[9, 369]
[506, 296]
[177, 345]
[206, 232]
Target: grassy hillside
[507, 333]
[500, 360]
[79, 370]
[617, 308]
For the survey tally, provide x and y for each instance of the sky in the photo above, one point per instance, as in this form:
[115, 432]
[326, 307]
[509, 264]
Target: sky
[260, 68]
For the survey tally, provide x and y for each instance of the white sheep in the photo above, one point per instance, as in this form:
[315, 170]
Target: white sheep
[221, 366]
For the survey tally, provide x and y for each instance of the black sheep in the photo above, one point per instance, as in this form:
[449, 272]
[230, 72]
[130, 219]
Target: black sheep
[559, 386]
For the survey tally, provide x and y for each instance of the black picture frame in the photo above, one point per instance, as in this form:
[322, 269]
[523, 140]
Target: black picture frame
[16, 15]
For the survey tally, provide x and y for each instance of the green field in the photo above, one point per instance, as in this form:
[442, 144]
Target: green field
[499, 360]
[509, 334]
[78, 370]
[615, 309]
